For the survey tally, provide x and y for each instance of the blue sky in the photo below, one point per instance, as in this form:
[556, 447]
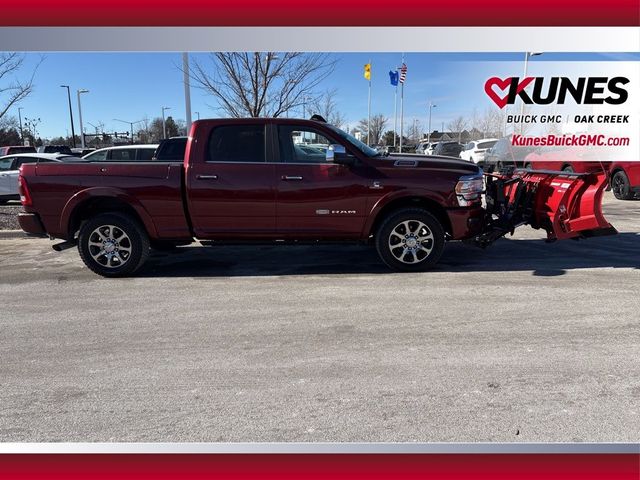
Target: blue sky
[130, 86]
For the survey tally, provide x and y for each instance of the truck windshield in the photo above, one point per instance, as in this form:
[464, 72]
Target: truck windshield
[363, 147]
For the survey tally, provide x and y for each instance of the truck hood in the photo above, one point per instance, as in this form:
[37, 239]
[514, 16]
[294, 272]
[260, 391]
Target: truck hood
[427, 162]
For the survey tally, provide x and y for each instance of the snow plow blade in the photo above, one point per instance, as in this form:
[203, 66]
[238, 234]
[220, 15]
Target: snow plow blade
[565, 205]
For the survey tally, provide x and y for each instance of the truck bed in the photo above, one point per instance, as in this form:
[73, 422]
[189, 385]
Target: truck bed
[153, 189]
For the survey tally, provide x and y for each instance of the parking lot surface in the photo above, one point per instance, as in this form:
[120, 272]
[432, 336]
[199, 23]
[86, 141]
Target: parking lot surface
[523, 342]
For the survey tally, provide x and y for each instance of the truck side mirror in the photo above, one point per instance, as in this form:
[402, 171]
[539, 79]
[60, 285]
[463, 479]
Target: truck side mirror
[338, 154]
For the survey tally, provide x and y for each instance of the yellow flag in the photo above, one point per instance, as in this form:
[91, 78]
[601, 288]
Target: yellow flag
[367, 71]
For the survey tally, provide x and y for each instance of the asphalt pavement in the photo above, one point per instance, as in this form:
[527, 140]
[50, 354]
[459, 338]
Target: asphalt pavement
[523, 342]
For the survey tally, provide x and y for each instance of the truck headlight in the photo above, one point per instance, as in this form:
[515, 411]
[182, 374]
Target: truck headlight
[469, 190]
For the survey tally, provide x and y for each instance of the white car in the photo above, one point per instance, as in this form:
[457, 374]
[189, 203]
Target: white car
[9, 169]
[476, 150]
[123, 153]
[426, 148]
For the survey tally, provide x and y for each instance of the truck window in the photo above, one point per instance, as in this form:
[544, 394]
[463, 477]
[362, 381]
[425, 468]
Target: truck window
[172, 149]
[145, 154]
[237, 143]
[123, 155]
[302, 145]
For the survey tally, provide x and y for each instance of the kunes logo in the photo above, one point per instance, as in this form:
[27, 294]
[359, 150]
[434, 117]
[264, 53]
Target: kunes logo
[585, 90]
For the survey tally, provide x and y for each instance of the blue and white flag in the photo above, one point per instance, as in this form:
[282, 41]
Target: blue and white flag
[393, 77]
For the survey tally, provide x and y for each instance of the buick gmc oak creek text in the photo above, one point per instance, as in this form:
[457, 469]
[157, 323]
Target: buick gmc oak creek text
[261, 180]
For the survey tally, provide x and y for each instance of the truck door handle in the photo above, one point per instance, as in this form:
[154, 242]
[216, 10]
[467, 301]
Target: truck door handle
[290, 177]
[207, 177]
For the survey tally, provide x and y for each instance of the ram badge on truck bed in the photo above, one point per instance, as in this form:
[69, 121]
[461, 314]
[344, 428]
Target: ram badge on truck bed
[267, 180]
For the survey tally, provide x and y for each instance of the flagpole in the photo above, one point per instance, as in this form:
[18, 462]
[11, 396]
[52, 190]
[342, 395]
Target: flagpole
[395, 116]
[401, 109]
[369, 109]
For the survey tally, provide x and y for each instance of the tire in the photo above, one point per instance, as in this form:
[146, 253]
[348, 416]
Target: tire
[621, 186]
[568, 169]
[123, 235]
[420, 227]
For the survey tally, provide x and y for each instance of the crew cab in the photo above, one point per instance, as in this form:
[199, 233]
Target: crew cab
[285, 180]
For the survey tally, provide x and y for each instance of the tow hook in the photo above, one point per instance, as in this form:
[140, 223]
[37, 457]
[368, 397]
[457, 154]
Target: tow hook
[58, 247]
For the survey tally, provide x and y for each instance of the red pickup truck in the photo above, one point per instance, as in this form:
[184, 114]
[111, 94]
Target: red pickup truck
[264, 180]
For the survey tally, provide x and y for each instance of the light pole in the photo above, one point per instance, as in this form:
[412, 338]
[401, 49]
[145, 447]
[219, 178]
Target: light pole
[198, 114]
[20, 119]
[431, 106]
[187, 89]
[73, 133]
[526, 64]
[82, 90]
[130, 125]
[164, 124]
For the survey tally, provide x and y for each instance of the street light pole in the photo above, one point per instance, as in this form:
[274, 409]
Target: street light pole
[82, 90]
[198, 114]
[73, 133]
[164, 124]
[431, 106]
[20, 119]
[187, 89]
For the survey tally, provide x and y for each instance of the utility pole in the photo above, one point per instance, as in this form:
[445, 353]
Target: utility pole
[73, 133]
[82, 90]
[164, 124]
[20, 119]
[431, 105]
[187, 89]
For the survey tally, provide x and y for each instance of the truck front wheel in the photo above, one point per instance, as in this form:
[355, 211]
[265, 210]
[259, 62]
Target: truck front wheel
[410, 240]
[113, 245]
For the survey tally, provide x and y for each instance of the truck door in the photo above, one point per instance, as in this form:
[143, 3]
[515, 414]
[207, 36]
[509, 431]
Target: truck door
[230, 184]
[316, 198]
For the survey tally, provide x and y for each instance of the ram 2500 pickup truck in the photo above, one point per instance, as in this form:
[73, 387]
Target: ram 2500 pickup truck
[288, 180]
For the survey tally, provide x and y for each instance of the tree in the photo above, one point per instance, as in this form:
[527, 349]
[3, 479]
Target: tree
[387, 138]
[261, 84]
[30, 131]
[15, 90]
[326, 106]
[156, 133]
[378, 122]
[415, 131]
[458, 125]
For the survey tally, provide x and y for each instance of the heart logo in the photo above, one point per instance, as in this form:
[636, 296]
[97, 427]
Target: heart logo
[503, 84]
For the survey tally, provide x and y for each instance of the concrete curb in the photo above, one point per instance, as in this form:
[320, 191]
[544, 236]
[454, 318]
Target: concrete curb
[12, 234]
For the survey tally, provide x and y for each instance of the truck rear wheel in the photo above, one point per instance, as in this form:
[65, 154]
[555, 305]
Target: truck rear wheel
[410, 240]
[113, 245]
[621, 187]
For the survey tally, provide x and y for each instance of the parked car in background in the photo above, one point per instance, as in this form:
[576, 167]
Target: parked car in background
[65, 149]
[171, 149]
[422, 145]
[563, 159]
[123, 153]
[81, 152]
[11, 150]
[475, 151]
[430, 148]
[625, 180]
[503, 154]
[9, 170]
[448, 149]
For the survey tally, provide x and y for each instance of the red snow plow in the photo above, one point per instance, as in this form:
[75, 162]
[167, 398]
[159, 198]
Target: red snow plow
[565, 205]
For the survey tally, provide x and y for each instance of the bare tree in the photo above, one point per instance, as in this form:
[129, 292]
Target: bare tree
[14, 90]
[458, 125]
[378, 122]
[258, 84]
[415, 131]
[326, 106]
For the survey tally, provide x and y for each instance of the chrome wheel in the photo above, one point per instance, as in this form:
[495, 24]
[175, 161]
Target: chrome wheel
[411, 242]
[110, 246]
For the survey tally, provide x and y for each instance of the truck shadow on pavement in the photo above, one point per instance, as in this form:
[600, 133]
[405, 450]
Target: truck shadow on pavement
[506, 255]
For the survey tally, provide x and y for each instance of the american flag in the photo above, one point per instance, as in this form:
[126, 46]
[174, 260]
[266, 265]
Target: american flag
[403, 73]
